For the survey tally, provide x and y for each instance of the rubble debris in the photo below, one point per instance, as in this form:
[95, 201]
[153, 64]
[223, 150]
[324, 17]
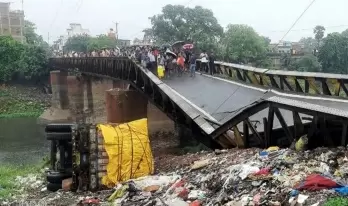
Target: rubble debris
[274, 177]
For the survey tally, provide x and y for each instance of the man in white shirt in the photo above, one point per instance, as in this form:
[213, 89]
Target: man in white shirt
[204, 62]
[153, 65]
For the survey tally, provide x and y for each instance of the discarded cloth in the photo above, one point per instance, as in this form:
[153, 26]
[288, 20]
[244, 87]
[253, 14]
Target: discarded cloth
[316, 182]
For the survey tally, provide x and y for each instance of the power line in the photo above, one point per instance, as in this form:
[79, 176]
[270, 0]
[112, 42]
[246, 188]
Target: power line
[79, 7]
[292, 26]
[308, 29]
[56, 14]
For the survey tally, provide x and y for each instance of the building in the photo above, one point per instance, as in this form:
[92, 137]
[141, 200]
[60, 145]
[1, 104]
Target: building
[11, 22]
[123, 42]
[284, 47]
[112, 34]
[76, 29]
[120, 42]
[297, 48]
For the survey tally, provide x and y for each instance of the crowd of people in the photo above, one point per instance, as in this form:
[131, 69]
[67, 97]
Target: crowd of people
[163, 62]
[176, 62]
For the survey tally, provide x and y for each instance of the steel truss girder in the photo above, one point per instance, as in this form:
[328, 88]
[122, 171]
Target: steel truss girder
[149, 85]
[319, 118]
[301, 82]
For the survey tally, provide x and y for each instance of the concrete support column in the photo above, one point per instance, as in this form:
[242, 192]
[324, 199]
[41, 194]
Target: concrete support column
[54, 79]
[120, 84]
[64, 90]
[124, 105]
[88, 95]
[59, 89]
[76, 98]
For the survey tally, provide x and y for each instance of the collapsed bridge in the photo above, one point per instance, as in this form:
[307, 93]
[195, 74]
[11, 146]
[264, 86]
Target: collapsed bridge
[243, 107]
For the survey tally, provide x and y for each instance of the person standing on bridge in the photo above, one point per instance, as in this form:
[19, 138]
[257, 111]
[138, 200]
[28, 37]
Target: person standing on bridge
[212, 64]
[204, 62]
[193, 65]
[152, 65]
[180, 65]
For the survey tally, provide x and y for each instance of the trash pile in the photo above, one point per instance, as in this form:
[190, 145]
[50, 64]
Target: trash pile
[236, 177]
[244, 177]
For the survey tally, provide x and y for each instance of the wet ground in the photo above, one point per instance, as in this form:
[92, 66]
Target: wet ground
[22, 141]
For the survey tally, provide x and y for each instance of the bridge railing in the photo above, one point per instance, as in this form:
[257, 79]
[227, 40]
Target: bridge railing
[303, 82]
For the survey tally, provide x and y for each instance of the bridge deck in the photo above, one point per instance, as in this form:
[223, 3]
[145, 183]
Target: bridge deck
[222, 98]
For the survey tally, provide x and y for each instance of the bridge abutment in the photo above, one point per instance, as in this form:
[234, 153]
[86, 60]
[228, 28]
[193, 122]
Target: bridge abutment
[123, 105]
[76, 98]
[59, 87]
[88, 99]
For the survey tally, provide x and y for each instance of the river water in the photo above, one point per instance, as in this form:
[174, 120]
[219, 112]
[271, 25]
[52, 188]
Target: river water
[22, 141]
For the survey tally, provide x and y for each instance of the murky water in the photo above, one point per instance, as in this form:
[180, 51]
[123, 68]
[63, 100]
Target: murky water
[22, 141]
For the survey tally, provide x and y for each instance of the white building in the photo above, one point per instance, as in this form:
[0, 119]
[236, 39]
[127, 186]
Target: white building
[73, 30]
[76, 29]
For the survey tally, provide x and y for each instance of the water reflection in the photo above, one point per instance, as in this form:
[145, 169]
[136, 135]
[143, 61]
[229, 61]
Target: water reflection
[22, 141]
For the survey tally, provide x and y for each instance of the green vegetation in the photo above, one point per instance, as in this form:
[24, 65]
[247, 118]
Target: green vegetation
[23, 61]
[177, 22]
[13, 104]
[237, 44]
[337, 201]
[8, 174]
[86, 43]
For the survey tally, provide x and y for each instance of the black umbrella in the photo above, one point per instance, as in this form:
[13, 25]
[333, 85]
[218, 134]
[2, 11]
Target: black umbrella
[170, 53]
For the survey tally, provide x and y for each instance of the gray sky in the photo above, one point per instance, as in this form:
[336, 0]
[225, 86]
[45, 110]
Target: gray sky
[271, 18]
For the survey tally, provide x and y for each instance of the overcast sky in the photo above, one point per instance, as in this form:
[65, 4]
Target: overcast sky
[271, 18]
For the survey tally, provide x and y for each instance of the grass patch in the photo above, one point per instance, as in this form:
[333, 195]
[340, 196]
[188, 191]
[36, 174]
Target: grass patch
[337, 201]
[13, 105]
[8, 174]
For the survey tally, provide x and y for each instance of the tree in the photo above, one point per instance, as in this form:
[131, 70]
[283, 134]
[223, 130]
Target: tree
[345, 33]
[148, 35]
[319, 33]
[333, 53]
[33, 62]
[27, 60]
[30, 34]
[10, 53]
[177, 22]
[100, 42]
[267, 40]
[307, 63]
[23, 60]
[286, 61]
[86, 43]
[78, 43]
[309, 44]
[243, 45]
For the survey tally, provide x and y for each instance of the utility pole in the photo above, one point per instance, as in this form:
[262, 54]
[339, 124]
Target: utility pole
[116, 31]
[22, 23]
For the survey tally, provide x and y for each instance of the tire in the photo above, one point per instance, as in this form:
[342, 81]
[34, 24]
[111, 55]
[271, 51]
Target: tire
[54, 187]
[57, 177]
[58, 136]
[58, 128]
